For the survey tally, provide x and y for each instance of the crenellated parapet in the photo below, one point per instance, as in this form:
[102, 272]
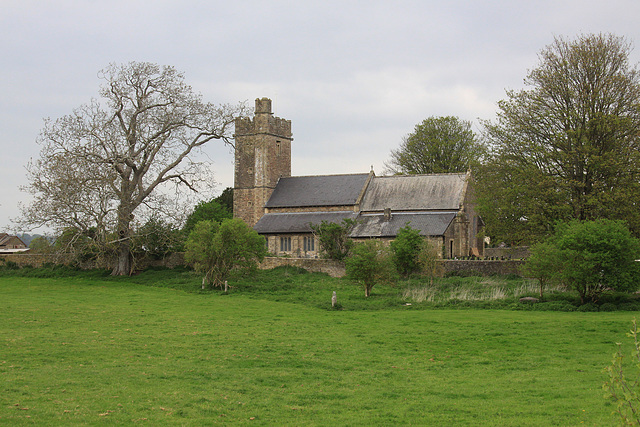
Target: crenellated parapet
[262, 156]
[264, 122]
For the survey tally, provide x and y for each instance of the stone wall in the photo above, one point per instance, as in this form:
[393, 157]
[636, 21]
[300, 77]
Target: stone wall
[483, 267]
[516, 252]
[38, 260]
[331, 267]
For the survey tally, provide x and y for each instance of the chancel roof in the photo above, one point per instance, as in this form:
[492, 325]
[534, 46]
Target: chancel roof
[428, 223]
[322, 190]
[415, 192]
[298, 222]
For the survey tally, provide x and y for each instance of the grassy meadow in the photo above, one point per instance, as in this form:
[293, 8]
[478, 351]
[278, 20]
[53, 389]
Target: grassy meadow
[154, 349]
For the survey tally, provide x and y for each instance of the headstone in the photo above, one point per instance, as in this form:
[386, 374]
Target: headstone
[334, 299]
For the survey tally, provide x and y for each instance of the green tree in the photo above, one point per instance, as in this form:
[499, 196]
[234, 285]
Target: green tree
[590, 257]
[429, 259]
[156, 239]
[334, 239]
[118, 158]
[40, 245]
[406, 250]
[212, 210]
[369, 264]
[437, 145]
[566, 147]
[226, 199]
[542, 264]
[214, 250]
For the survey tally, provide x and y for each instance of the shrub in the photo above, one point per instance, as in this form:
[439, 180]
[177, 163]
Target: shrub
[554, 306]
[406, 248]
[370, 263]
[590, 257]
[607, 306]
[334, 239]
[624, 388]
[217, 249]
[629, 306]
[589, 307]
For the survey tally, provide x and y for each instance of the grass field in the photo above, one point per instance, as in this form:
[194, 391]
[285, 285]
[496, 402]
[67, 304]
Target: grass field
[96, 350]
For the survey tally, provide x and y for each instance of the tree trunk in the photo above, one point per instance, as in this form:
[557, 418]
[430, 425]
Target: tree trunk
[123, 263]
[367, 290]
[122, 266]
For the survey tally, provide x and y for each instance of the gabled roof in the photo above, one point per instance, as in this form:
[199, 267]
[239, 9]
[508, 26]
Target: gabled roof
[321, 190]
[428, 223]
[297, 222]
[415, 192]
[6, 239]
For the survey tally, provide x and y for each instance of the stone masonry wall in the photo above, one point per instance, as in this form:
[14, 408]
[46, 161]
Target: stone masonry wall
[331, 267]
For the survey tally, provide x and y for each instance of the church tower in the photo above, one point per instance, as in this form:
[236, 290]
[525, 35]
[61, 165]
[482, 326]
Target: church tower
[262, 156]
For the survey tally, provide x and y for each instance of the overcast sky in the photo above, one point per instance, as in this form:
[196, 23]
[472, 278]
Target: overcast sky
[354, 77]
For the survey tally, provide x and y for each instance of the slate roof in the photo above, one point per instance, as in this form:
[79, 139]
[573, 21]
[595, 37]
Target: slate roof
[322, 190]
[415, 192]
[298, 222]
[429, 224]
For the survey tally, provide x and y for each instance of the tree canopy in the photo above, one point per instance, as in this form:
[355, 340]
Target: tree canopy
[334, 239]
[567, 146]
[370, 263]
[590, 257]
[133, 151]
[215, 249]
[437, 145]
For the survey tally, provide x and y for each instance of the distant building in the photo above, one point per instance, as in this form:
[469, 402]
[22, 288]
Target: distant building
[281, 207]
[11, 244]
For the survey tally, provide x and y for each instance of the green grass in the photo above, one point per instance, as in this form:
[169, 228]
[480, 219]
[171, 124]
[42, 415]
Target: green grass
[89, 349]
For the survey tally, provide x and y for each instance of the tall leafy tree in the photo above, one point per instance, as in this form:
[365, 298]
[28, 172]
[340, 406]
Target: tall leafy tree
[590, 257]
[567, 146]
[437, 145]
[109, 160]
[215, 249]
[212, 210]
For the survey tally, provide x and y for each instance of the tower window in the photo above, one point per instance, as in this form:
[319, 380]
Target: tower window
[278, 148]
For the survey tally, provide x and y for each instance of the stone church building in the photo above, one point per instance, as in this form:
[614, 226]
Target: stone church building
[280, 206]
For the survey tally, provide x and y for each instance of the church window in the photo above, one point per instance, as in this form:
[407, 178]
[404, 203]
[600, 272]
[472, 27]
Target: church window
[309, 244]
[285, 244]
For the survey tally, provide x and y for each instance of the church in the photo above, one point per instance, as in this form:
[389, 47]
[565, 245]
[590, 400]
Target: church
[281, 207]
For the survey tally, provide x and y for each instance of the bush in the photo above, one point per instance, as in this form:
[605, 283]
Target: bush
[370, 263]
[334, 239]
[590, 257]
[629, 306]
[10, 265]
[406, 248]
[554, 306]
[607, 306]
[589, 307]
[624, 388]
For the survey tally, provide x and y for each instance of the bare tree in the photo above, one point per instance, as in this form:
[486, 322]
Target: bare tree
[108, 160]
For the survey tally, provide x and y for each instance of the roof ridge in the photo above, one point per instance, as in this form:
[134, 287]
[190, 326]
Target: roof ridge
[337, 174]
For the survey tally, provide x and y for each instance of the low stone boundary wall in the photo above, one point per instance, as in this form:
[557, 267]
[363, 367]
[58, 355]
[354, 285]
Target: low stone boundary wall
[483, 267]
[517, 252]
[38, 260]
[331, 267]
[317, 265]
